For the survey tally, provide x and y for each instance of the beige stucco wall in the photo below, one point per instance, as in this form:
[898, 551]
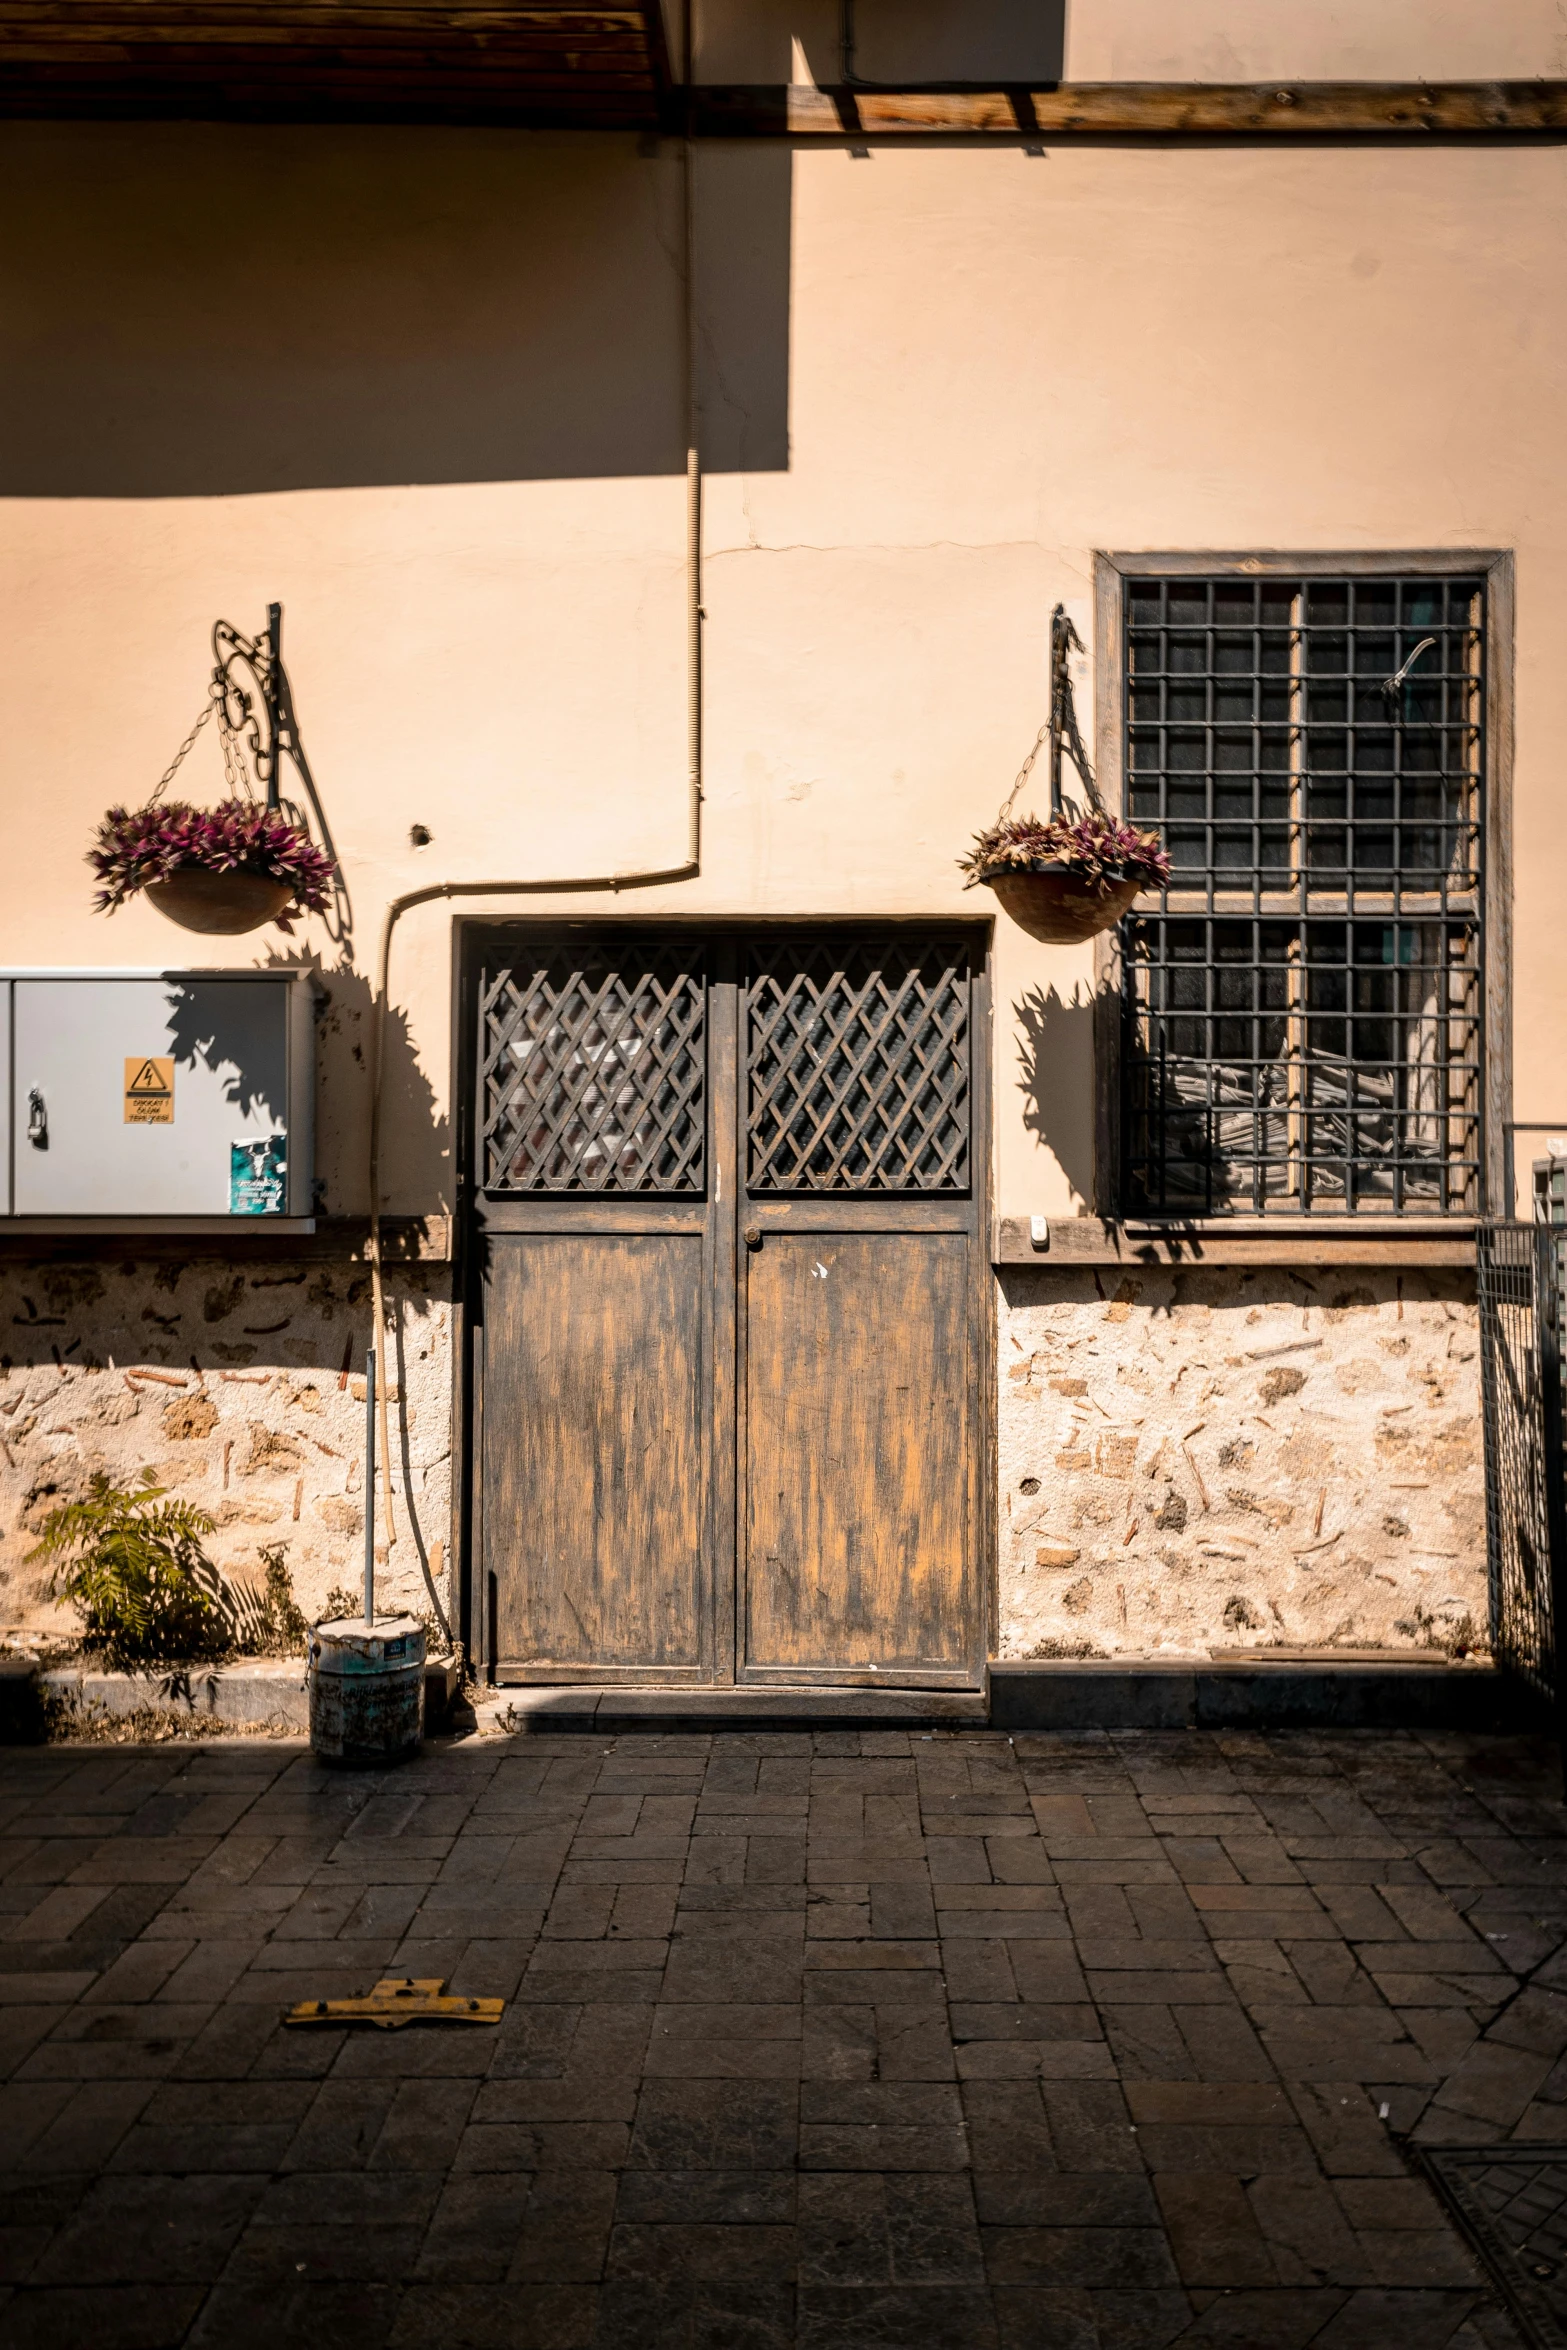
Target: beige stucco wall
[425, 387]
[993, 363]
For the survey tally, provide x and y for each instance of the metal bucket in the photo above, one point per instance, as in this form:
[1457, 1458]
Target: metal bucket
[367, 1690]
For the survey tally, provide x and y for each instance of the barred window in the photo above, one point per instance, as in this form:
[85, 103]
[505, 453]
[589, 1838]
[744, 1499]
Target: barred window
[1303, 1012]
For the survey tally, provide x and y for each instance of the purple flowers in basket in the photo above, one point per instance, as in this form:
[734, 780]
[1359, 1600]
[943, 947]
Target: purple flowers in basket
[1094, 845]
[137, 846]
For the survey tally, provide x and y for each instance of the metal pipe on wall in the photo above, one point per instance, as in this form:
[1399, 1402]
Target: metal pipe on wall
[626, 878]
[370, 1402]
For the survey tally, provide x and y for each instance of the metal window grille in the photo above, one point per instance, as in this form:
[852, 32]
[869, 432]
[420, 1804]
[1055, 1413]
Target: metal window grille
[1303, 1012]
[857, 1066]
[593, 1069]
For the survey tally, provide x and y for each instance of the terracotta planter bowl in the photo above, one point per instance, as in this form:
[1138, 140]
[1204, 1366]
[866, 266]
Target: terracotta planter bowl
[1056, 904]
[221, 904]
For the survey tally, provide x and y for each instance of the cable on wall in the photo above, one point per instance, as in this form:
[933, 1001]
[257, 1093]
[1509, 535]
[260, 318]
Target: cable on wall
[626, 878]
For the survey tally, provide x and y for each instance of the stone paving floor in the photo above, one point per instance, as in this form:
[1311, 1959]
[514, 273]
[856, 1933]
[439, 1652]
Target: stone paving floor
[829, 2038]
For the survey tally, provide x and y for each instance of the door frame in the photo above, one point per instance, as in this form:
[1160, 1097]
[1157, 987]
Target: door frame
[476, 1601]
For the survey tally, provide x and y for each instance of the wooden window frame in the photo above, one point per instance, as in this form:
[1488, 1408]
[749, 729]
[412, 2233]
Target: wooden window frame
[1496, 567]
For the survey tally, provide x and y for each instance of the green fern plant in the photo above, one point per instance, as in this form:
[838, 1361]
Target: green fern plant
[131, 1564]
[269, 1622]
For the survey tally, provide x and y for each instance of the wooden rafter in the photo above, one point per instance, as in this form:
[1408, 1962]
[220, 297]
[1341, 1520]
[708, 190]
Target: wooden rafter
[511, 60]
[560, 61]
[1194, 110]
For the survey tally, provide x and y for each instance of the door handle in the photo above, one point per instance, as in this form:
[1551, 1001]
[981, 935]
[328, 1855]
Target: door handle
[752, 1236]
[37, 1119]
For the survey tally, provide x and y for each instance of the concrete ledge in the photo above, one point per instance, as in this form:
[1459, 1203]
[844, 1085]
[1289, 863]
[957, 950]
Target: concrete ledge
[558, 1708]
[1086, 1241]
[1113, 1694]
[256, 1692]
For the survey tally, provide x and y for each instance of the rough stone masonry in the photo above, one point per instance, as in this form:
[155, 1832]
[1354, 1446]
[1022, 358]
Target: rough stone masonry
[241, 1387]
[1188, 1458]
[1208, 1458]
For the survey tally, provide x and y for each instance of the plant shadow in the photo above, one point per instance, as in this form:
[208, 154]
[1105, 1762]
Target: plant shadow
[1055, 1050]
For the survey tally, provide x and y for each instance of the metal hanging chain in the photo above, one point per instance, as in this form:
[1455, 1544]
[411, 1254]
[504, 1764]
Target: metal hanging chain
[179, 758]
[234, 770]
[1024, 772]
[1060, 729]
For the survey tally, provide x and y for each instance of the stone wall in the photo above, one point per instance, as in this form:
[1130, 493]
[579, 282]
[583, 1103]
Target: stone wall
[240, 1385]
[1188, 1459]
[1211, 1459]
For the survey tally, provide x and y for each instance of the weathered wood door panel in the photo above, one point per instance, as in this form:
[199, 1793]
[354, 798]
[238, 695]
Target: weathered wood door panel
[593, 1449]
[859, 1329]
[858, 1435]
[728, 1302]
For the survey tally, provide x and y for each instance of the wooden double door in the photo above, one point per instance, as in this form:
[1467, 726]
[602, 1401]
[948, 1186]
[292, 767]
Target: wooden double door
[728, 1302]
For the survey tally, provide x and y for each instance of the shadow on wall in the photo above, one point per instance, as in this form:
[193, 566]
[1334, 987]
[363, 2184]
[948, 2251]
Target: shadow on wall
[1055, 1051]
[208, 1315]
[194, 309]
[423, 1156]
[906, 42]
[901, 43]
[228, 1027]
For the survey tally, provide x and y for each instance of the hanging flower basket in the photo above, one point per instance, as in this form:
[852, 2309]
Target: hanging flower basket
[1066, 880]
[220, 870]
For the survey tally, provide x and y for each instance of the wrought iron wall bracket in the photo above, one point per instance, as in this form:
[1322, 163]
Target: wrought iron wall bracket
[247, 673]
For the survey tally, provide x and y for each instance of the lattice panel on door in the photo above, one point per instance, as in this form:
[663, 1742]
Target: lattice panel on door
[857, 1066]
[593, 1069]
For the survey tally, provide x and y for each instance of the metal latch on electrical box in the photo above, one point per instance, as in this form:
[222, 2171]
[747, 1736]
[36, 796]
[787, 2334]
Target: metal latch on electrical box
[399, 1999]
[1039, 1232]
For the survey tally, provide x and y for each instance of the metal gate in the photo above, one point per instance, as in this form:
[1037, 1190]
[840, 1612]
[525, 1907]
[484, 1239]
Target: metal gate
[1519, 1270]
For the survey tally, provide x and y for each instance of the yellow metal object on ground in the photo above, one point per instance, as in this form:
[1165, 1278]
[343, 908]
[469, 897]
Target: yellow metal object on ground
[399, 1999]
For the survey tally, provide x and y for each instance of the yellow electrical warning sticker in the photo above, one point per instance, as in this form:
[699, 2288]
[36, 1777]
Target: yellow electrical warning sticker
[149, 1092]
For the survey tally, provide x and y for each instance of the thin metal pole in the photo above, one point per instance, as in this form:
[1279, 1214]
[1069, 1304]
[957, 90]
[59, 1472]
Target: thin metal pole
[370, 1486]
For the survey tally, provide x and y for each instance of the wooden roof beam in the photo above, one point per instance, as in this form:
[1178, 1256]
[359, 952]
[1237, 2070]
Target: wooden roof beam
[1189, 110]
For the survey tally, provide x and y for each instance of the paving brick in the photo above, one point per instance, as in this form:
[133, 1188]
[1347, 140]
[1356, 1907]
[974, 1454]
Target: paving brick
[1493, 2083]
[716, 2125]
[1535, 2020]
[937, 2317]
[565, 2227]
[838, 2043]
[779, 2116]
[641, 2313]
[752, 2198]
[100, 2317]
[861, 2229]
[1372, 2318]
[1090, 2128]
[1308, 2237]
[423, 2126]
[151, 2230]
[1244, 2151]
[1213, 2233]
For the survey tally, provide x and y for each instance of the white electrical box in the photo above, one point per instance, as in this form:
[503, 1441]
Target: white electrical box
[182, 1098]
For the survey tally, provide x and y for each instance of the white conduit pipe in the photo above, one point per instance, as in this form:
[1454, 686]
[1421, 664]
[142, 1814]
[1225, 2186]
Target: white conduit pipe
[628, 877]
